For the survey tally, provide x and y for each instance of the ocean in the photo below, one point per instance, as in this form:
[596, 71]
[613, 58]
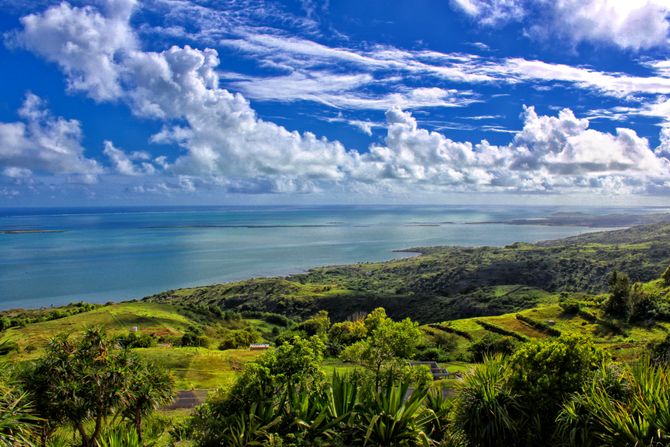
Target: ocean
[112, 254]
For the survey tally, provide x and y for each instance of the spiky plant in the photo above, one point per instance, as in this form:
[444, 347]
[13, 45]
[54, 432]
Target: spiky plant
[393, 416]
[602, 415]
[17, 420]
[486, 411]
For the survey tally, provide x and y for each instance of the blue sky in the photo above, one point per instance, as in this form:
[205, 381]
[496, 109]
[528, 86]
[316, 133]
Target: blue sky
[215, 102]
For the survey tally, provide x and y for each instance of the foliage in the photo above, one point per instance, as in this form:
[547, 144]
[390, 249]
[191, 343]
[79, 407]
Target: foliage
[316, 325]
[120, 437]
[539, 325]
[345, 333]
[393, 416]
[665, 277]
[660, 351]
[194, 337]
[240, 338]
[486, 410]
[387, 342]
[543, 374]
[77, 381]
[620, 408]
[288, 372]
[135, 340]
[147, 388]
[500, 330]
[491, 344]
[18, 423]
[619, 303]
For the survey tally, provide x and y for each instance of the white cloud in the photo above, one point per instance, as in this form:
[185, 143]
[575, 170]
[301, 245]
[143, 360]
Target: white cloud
[628, 24]
[124, 163]
[225, 144]
[549, 154]
[492, 12]
[85, 43]
[42, 143]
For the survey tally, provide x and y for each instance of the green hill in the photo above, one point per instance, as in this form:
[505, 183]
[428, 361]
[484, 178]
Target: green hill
[445, 283]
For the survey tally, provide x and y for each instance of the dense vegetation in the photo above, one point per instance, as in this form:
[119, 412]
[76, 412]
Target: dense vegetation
[536, 363]
[446, 283]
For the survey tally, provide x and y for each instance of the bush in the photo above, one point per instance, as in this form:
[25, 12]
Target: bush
[570, 307]
[240, 338]
[194, 337]
[543, 374]
[135, 340]
[433, 354]
[491, 344]
[660, 352]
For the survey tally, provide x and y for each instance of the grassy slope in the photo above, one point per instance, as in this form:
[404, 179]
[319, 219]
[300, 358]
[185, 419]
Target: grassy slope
[193, 367]
[450, 282]
[631, 342]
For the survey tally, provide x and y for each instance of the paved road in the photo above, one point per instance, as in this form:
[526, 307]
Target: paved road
[188, 399]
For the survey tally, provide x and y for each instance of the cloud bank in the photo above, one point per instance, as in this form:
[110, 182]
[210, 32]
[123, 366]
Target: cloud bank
[226, 145]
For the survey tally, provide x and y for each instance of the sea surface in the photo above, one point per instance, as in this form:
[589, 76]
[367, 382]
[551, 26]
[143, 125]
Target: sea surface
[105, 254]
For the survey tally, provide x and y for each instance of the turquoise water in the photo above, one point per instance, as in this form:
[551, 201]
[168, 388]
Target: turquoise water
[114, 253]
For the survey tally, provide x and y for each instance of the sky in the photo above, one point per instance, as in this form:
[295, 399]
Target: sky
[156, 102]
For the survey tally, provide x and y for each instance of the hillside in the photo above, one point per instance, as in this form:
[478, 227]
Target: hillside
[445, 283]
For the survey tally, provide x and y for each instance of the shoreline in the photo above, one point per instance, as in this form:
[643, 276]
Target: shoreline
[410, 252]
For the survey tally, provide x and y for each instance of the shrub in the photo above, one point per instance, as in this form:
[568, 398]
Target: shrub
[491, 344]
[240, 338]
[570, 307]
[194, 337]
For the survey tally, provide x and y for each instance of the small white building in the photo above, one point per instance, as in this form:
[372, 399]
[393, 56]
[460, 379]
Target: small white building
[259, 346]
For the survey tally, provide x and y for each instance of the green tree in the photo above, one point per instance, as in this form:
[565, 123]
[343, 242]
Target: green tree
[148, 387]
[78, 381]
[345, 333]
[387, 344]
[619, 303]
[265, 394]
[544, 374]
[665, 277]
[316, 325]
[240, 338]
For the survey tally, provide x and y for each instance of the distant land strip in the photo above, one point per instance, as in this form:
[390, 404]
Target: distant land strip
[586, 220]
[29, 231]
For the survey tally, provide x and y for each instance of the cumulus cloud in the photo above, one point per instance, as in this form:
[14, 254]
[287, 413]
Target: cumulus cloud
[549, 154]
[631, 25]
[42, 143]
[125, 164]
[627, 24]
[86, 44]
[225, 144]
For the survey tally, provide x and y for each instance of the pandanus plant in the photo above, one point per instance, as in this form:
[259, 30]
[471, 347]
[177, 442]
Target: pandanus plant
[631, 410]
[394, 416]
